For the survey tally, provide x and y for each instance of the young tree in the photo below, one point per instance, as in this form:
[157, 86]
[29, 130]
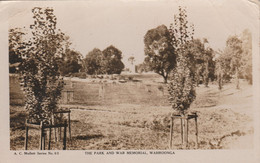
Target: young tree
[182, 86]
[160, 56]
[39, 71]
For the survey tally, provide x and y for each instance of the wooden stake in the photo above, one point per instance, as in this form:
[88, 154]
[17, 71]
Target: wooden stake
[49, 145]
[26, 135]
[44, 139]
[187, 132]
[184, 133]
[69, 125]
[171, 132]
[196, 125]
[55, 134]
[60, 129]
[181, 132]
[60, 133]
[41, 134]
[65, 136]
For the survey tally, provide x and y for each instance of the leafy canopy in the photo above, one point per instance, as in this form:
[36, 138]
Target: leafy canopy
[39, 70]
[160, 55]
[107, 61]
[182, 85]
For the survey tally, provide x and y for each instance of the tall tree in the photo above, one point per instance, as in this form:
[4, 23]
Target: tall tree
[70, 62]
[39, 71]
[92, 62]
[204, 60]
[143, 67]
[234, 50]
[223, 67]
[246, 66]
[182, 86]
[107, 61]
[160, 56]
[111, 62]
[15, 44]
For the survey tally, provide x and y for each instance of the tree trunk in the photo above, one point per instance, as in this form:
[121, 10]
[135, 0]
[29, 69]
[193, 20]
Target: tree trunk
[206, 74]
[197, 77]
[237, 79]
[165, 79]
[219, 81]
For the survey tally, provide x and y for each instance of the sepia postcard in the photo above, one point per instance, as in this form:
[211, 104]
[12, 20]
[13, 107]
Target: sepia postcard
[130, 81]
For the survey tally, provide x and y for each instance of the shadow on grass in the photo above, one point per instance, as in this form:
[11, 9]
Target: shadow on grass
[88, 137]
[17, 120]
[74, 121]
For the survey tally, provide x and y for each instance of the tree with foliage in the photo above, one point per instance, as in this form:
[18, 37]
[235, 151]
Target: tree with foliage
[107, 61]
[236, 59]
[182, 85]
[111, 62]
[234, 51]
[93, 62]
[70, 62]
[246, 66]
[131, 60]
[39, 70]
[160, 55]
[143, 67]
[204, 60]
[223, 67]
[209, 66]
[15, 44]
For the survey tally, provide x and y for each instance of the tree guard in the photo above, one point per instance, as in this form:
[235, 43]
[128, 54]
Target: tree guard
[184, 119]
[43, 133]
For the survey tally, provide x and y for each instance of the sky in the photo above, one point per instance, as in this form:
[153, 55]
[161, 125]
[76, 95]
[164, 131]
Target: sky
[99, 24]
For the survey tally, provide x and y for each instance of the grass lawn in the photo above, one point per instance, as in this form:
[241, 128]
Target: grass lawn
[137, 118]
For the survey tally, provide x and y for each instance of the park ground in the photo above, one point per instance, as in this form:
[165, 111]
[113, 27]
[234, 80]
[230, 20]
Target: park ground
[134, 116]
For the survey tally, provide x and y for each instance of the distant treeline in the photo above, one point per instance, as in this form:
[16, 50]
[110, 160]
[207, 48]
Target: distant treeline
[233, 62]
